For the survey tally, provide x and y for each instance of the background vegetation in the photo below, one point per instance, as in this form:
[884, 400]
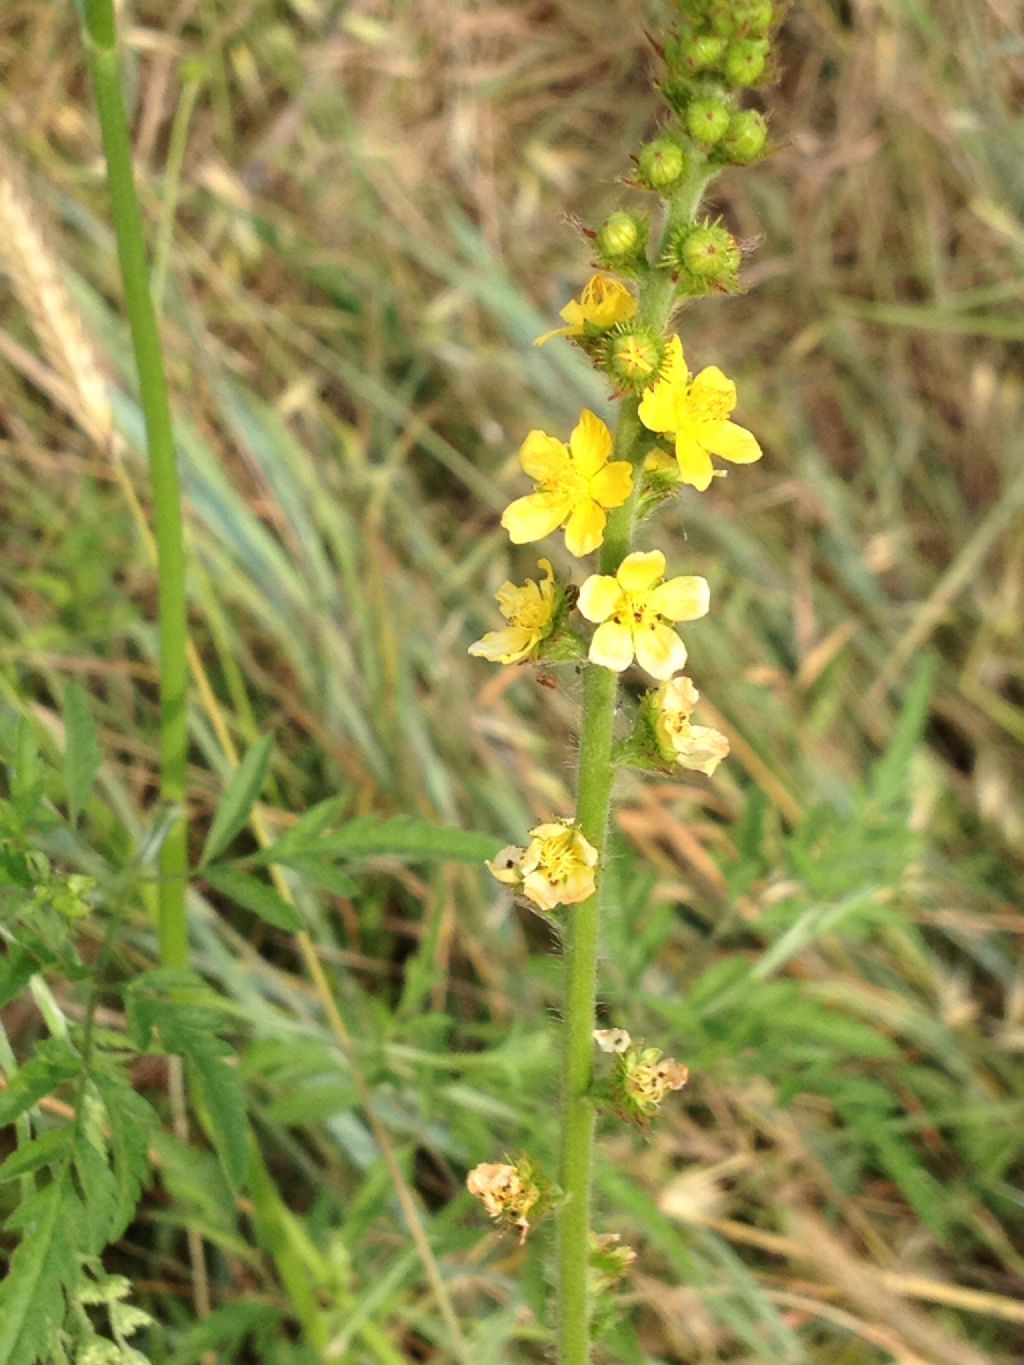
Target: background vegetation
[357, 215]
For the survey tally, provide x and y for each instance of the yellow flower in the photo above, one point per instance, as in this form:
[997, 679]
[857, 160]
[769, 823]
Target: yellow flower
[530, 613]
[575, 484]
[633, 607]
[603, 303]
[696, 412]
[508, 1193]
[697, 747]
[556, 867]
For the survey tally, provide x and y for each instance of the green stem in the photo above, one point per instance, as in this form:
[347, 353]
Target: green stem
[583, 922]
[104, 64]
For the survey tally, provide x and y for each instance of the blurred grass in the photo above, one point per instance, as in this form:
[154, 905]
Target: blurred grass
[366, 237]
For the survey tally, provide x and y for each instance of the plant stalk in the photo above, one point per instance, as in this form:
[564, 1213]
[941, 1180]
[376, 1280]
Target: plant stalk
[596, 774]
[104, 65]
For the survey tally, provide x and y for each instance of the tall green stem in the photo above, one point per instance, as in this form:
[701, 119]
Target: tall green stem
[583, 922]
[104, 64]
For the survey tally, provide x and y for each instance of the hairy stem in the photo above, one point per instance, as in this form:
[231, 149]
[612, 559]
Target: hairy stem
[593, 805]
[104, 65]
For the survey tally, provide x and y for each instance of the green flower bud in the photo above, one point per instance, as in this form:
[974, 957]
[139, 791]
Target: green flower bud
[746, 139]
[701, 53]
[621, 239]
[707, 121]
[634, 356]
[722, 17]
[661, 164]
[758, 16]
[709, 252]
[745, 61]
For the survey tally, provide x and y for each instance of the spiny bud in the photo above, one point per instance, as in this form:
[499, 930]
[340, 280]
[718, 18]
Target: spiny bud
[635, 356]
[746, 139]
[711, 253]
[757, 16]
[661, 164]
[621, 239]
[745, 61]
[690, 55]
[707, 121]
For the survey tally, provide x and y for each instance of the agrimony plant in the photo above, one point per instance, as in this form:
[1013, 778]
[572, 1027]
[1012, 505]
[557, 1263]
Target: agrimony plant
[599, 488]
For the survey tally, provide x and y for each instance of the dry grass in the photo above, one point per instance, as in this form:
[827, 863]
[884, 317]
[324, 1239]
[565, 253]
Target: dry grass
[366, 236]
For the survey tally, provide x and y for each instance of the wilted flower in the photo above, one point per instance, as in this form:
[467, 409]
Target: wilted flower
[510, 1193]
[603, 303]
[697, 747]
[556, 868]
[530, 613]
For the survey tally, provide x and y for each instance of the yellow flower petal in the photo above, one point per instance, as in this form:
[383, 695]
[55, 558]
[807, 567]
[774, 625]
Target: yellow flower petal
[660, 462]
[555, 332]
[682, 599]
[702, 749]
[584, 531]
[543, 457]
[535, 516]
[641, 570]
[677, 697]
[612, 647]
[506, 646]
[673, 364]
[612, 485]
[734, 443]
[712, 395]
[658, 407]
[695, 467]
[659, 650]
[590, 443]
[599, 597]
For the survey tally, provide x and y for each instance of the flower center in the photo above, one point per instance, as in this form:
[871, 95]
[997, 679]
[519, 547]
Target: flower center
[637, 614]
[558, 859]
[710, 407]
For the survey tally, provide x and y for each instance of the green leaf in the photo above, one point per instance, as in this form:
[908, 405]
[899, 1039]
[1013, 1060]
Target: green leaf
[890, 775]
[42, 1151]
[36, 1078]
[236, 804]
[82, 754]
[324, 875]
[219, 1089]
[401, 837]
[32, 1295]
[252, 894]
[132, 1121]
[16, 969]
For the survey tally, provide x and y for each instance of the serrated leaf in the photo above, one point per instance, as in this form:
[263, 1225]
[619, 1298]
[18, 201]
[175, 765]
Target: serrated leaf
[36, 1078]
[32, 1294]
[131, 1120]
[323, 875]
[41, 1151]
[236, 804]
[401, 837]
[252, 894]
[82, 754]
[16, 969]
[220, 1092]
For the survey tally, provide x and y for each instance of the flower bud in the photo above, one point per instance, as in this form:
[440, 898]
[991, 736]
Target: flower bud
[709, 252]
[746, 139]
[661, 164]
[758, 16]
[621, 240]
[690, 55]
[635, 356]
[745, 61]
[707, 121]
